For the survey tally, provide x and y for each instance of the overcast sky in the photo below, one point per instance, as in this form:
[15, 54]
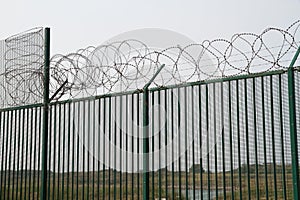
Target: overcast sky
[77, 24]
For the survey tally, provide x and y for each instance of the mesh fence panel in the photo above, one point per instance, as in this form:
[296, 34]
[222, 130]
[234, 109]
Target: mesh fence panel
[213, 139]
[21, 69]
[226, 138]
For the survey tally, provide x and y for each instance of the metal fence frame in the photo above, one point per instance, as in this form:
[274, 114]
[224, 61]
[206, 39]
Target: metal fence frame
[45, 106]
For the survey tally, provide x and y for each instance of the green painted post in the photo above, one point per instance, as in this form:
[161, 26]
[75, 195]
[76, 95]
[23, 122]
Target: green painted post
[45, 114]
[146, 144]
[293, 131]
[146, 187]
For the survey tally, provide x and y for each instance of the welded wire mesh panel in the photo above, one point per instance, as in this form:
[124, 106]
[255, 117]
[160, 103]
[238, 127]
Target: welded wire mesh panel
[232, 139]
[21, 69]
[90, 154]
[20, 153]
[21, 77]
[209, 140]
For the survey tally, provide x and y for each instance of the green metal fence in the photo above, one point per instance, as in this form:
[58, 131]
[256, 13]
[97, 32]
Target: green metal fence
[229, 138]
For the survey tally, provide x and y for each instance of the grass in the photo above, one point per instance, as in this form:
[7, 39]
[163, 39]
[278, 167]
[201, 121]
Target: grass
[92, 185]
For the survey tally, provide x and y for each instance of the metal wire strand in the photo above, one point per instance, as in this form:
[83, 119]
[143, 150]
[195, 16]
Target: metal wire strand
[127, 65]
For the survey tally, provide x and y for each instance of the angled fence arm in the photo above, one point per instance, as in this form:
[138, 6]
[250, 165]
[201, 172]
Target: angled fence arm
[146, 190]
[293, 131]
[58, 90]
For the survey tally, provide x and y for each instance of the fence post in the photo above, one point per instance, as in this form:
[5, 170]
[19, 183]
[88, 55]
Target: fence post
[45, 114]
[293, 131]
[146, 190]
[146, 144]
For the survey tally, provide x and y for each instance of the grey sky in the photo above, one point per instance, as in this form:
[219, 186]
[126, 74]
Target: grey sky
[77, 24]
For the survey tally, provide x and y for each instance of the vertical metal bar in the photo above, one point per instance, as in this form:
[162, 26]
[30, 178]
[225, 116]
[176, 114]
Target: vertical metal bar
[172, 136]
[35, 150]
[166, 140]
[94, 148]
[115, 145]
[30, 156]
[63, 152]
[152, 145]
[45, 113]
[230, 140]
[193, 143]
[10, 154]
[185, 144]
[223, 143]
[99, 146]
[293, 132]
[13, 192]
[126, 147]
[50, 150]
[282, 138]
[59, 137]
[19, 148]
[5, 170]
[207, 139]
[138, 142]
[132, 145]
[26, 150]
[88, 154]
[273, 138]
[146, 135]
[247, 138]
[83, 149]
[5, 143]
[215, 141]
[264, 137]
[39, 153]
[78, 152]
[179, 141]
[159, 147]
[73, 152]
[146, 144]
[110, 139]
[255, 140]
[104, 135]
[69, 150]
[238, 136]
[200, 141]
[120, 132]
[54, 150]
[2, 161]
[22, 149]
[4, 154]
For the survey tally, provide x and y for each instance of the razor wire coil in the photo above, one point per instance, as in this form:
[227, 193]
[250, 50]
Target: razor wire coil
[126, 65]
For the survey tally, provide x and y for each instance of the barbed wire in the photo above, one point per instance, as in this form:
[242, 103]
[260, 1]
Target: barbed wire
[128, 65]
